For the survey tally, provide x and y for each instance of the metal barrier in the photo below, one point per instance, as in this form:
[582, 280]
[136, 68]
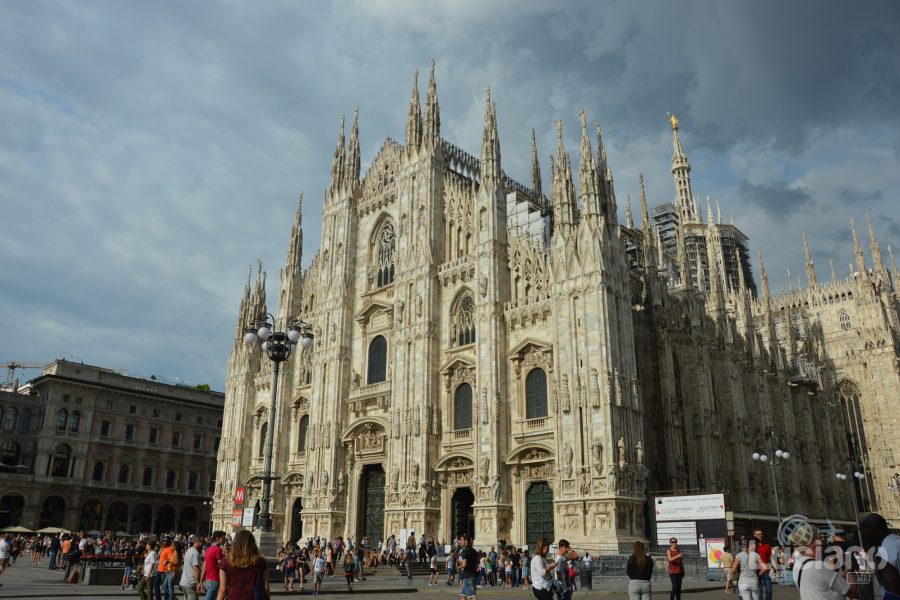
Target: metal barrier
[606, 566]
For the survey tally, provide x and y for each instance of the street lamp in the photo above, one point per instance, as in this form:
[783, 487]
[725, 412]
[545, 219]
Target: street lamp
[277, 345]
[209, 502]
[858, 475]
[773, 455]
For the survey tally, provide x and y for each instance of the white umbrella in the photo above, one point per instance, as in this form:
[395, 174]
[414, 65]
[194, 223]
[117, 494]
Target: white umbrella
[16, 529]
[52, 530]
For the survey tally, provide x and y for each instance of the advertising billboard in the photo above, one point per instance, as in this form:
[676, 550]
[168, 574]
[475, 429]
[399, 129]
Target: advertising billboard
[699, 507]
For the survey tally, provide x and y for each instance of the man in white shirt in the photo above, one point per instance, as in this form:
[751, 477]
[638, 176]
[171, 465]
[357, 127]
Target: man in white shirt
[145, 587]
[875, 534]
[5, 547]
[190, 573]
[816, 580]
[319, 572]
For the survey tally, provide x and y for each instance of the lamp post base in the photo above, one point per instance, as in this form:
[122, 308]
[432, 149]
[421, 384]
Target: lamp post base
[267, 540]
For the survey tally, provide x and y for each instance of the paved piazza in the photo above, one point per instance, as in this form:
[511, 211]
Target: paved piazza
[27, 581]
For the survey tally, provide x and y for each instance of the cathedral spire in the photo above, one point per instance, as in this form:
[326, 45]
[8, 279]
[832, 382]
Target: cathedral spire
[878, 262]
[491, 173]
[710, 219]
[893, 262]
[431, 135]
[629, 217]
[810, 269]
[351, 169]
[857, 249]
[535, 169]
[414, 118]
[647, 237]
[563, 194]
[607, 200]
[681, 172]
[337, 163]
[587, 174]
[295, 248]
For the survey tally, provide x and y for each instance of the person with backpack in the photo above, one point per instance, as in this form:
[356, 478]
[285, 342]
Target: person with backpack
[349, 574]
[289, 569]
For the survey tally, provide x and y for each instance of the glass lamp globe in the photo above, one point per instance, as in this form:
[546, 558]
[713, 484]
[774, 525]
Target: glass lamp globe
[779, 453]
[756, 456]
[785, 455]
[837, 475]
[294, 335]
[306, 341]
[250, 337]
[264, 332]
[858, 475]
[265, 346]
[763, 457]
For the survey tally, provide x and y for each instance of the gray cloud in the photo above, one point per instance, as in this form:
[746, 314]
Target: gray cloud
[859, 197]
[150, 152]
[777, 198]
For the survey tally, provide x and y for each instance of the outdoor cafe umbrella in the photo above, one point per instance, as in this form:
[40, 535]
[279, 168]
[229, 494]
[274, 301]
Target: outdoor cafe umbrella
[94, 532]
[52, 530]
[16, 529]
[124, 534]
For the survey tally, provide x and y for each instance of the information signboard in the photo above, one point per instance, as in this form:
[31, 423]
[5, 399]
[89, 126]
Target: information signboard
[236, 516]
[683, 531]
[247, 521]
[699, 507]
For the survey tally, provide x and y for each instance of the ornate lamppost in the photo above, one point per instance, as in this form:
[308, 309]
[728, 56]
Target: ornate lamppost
[772, 455]
[857, 474]
[277, 345]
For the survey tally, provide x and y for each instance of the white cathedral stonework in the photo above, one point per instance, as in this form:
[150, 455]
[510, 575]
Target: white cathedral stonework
[490, 360]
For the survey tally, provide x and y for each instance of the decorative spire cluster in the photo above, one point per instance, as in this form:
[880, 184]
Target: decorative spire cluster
[491, 173]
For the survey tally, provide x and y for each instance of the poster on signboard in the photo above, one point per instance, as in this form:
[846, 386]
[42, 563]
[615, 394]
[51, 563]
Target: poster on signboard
[236, 516]
[248, 518]
[690, 508]
[715, 549]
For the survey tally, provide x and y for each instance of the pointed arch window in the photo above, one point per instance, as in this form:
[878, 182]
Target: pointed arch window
[385, 249]
[377, 366]
[304, 428]
[462, 407]
[845, 320]
[462, 330]
[536, 394]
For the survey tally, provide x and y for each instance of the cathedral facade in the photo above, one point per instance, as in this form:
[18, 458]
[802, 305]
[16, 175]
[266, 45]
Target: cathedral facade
[493, 361]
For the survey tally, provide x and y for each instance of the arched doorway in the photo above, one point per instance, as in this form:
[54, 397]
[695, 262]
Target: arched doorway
[297, 520]
[141, 519]
[188, 520]
[539, 512]
[53, 511]
[462, 513]
[165, 519]
[371, 514]
[11, 507]
[117, 516]
[91, 515]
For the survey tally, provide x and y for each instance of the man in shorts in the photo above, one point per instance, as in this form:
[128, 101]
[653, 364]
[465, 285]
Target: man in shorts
[5, 548]
[468, 566]
[318, 572]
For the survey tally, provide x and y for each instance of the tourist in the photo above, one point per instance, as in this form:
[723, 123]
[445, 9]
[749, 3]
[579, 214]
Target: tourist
[243, 574]
[408, 561]
[874, 533]
[434, 570]
[516, 560]
[319, 566]
[564, 570]
[676, 568]
[815, 579]
[526, 569]
[451, 568]
[289, 569]
[129, 565]
[349, 574]
[53, 551]
[360, 560]
[539, 571]
[5, 547]
[747, 567]
[640, 572]
[304, 564]
[727, 564]
[468, 562]
[191, 580]
[168, 564]
[765, 565]
[148, 573]
[212, 560]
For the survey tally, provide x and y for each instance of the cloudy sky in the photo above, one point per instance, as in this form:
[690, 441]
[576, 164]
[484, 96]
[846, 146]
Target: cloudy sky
[150, 152]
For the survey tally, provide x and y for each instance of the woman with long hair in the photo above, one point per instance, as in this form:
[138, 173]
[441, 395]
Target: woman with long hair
[676, 568]
[540, 571]
[747, 566]
[243, 574]
[640, 572]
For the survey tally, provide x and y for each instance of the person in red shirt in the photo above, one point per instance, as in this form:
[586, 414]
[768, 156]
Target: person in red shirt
[765, 565]
[676, 568]
[212, 560]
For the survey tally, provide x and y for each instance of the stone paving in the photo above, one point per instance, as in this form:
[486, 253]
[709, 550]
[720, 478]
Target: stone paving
[25, 580]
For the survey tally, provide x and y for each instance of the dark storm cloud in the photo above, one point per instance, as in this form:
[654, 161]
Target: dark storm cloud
[150, 152]
[775, 197]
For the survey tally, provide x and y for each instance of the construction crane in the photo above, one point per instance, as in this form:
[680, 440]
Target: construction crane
[11, 367]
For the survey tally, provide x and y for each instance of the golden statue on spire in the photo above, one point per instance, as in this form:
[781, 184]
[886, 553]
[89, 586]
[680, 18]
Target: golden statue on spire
[673, 120]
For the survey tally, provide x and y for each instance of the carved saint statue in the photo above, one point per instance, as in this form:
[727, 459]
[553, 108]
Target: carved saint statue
[598, 457]
[418, 305]
[639, 453]
[324, 478]
[495, 488]
[341, 481]
[567, 460]
[395, 477]
[621, 446]
[400, 306]
[482, 285]
[415, 472]
[484, 467]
